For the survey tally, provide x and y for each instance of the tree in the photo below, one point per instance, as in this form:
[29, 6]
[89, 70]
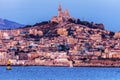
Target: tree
[78, 21]
[111, 34]
[101, 49]
[62, 48]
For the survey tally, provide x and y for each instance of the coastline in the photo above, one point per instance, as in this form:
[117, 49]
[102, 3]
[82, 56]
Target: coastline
[83, 64]
[66, 66]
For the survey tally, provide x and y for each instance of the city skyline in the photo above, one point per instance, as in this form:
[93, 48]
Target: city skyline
[31, 12]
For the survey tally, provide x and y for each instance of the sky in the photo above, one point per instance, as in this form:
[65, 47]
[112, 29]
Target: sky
[33, 11]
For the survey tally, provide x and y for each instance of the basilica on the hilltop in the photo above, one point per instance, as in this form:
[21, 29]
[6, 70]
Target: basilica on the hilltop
[62, 16]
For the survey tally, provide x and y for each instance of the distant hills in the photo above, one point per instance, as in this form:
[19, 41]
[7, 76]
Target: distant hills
[7, 24]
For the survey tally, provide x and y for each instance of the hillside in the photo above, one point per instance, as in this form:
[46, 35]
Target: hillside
[61, 41]
[59, 44]
[6, 24]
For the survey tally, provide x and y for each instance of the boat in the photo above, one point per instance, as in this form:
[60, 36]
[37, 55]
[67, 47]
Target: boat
[8, 67]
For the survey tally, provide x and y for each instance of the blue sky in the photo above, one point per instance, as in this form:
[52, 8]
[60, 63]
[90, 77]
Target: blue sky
[33, 11]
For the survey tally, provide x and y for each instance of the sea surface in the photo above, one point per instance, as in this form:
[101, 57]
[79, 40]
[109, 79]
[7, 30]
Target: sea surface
[59, 73]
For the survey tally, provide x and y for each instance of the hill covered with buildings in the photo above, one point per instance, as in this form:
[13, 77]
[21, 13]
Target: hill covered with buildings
[61, 41]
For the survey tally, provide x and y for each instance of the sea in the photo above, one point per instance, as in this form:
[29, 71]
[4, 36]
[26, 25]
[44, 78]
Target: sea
[59, 73]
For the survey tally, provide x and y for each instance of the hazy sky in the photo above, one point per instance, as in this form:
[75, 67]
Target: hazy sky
[33, 11]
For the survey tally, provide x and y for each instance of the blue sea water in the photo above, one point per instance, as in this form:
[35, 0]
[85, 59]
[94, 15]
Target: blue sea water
[59, 73]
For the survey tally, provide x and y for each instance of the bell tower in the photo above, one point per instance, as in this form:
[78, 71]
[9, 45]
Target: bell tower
[60, 14]
[59, 7]
[59, 10]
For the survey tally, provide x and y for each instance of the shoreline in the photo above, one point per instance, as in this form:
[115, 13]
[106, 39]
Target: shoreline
[64, 66]
[100, 66]
[67, 63]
